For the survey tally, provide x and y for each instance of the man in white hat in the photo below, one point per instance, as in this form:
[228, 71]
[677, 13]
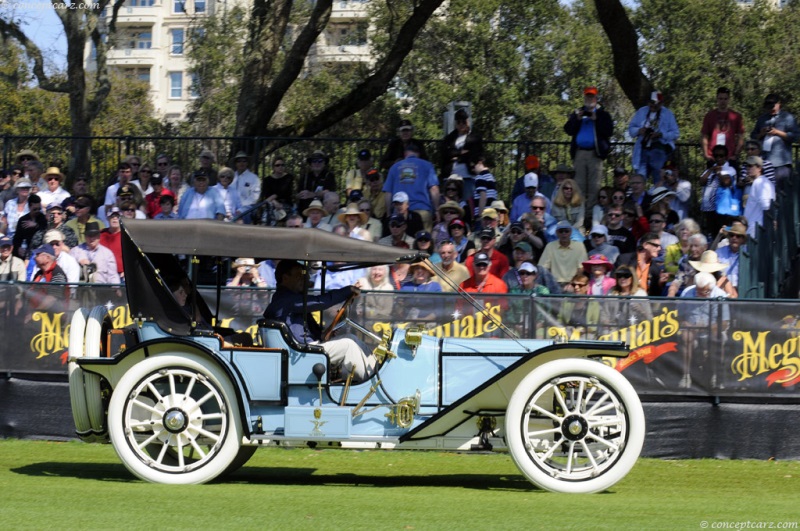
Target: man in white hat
[400, 206]
[54, 193]
[246, 183]
[522, 203]
[655, 129]
[729, 254]
[314, 214]
[65, 261]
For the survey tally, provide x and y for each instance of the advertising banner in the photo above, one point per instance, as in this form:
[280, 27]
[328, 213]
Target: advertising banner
[678, 346]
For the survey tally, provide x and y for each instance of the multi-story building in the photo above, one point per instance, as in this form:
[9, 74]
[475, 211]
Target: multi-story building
[151, 36]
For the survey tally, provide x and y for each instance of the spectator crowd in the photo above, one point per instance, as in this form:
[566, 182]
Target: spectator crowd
[559, 231]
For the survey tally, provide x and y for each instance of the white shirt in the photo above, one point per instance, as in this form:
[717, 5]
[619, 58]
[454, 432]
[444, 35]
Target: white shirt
[70, 267]
[248, 185]
[48, 197]
[762, 194]
[230, 198]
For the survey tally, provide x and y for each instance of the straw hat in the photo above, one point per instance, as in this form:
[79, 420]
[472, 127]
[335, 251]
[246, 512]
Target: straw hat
[316, 204]
[352, 209]
[424, 265]
[737, 227]
[499, 205]
[244, 262]
[54, 171]
[451, 205]
[708, 263]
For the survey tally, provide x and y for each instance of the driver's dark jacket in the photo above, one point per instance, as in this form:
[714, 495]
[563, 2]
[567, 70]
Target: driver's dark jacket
[287, 306]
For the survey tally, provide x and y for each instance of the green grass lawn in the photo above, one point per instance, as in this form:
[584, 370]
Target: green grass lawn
[81, 486]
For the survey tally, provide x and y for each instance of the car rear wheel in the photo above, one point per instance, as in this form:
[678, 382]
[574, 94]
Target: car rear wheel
[173, 419]
[575, 426]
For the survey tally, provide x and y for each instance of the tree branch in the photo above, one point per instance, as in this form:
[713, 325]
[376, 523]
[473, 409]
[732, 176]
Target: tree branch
[373, 86]
[12, 30]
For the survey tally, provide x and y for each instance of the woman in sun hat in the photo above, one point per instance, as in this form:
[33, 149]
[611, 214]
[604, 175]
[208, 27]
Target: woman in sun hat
[597, 267]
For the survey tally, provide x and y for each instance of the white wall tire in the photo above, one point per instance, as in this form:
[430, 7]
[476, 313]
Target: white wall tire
[77, 396]
[173, 419]
[574, 426]
[94, 337]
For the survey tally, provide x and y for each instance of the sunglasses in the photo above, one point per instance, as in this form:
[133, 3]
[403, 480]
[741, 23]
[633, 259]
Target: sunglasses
[630, 214]
[656, 221]
[26, 159]
[619, 198]
[614, 215]
[656, 245]
[482, 265]
[145, 171]
[525, 273]
[54, 178]
[397, 225]
[577, 284]
[456, 227]
[129, 210]
[623, 274]
[567, 188]
[451, 189]
[317, 161]
[537, 208]
[279, 165]
[486, 238]
[365, 209]
[516, 232]
[162, 163]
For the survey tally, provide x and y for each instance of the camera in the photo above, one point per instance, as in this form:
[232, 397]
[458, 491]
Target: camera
[248, 269]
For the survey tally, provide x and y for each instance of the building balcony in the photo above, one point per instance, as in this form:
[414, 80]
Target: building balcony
[132, 56]
[137, 16]
[344, 10]
[340, 54]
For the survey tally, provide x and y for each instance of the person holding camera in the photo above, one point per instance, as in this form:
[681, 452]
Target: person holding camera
[655, 129]
[591, 128]
[776, 129]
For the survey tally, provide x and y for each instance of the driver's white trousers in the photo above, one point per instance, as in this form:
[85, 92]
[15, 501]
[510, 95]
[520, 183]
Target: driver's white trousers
[346, 353]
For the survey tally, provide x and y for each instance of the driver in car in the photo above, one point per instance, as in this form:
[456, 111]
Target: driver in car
[287, 306]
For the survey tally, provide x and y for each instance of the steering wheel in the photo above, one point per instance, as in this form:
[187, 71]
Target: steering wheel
[326, 335]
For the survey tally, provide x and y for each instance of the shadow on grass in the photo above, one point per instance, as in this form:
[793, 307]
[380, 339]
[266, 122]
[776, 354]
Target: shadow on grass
[310, 477]
[288, 476]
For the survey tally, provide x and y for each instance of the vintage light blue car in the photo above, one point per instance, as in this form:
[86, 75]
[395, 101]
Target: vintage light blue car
[181, 404]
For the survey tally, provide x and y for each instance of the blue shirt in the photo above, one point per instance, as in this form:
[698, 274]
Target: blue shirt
[585, 137]
[210, 205]
[415, 177]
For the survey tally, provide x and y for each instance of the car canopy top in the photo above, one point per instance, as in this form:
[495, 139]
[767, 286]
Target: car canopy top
[149, 250]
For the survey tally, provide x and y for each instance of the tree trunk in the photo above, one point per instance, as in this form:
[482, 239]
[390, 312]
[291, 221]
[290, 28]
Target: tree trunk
[625, 49]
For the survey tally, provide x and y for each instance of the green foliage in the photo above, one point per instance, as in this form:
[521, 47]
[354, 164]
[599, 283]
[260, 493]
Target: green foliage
[691, 47]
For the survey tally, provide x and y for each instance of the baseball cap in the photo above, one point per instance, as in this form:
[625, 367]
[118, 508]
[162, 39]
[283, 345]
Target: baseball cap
[531, 180]
[482, 258]
[364, 154]
[397, 218]
[529, 267]
[524, 246]
[487, 233]
[46, 248]
[656, 96]
[53, 235]
[590, 91]
[599, 229]
[563, 224]
[400, 197]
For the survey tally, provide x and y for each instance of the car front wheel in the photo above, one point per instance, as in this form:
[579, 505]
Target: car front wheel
[575, 426]
[172, 419]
